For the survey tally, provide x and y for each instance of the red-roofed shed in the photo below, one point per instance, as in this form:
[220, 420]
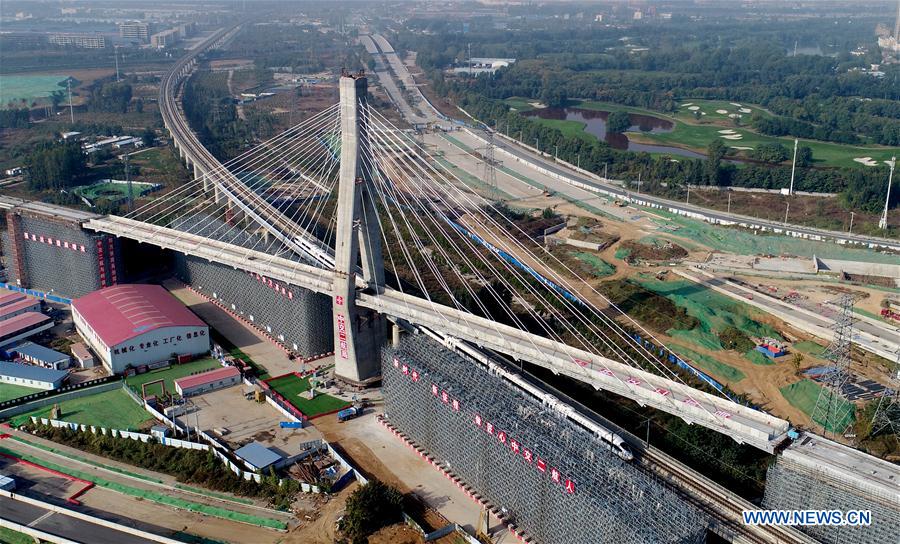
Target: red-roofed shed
[207, 381]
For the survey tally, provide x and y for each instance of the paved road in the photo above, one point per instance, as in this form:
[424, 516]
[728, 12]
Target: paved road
[65, 526]
[552, 166]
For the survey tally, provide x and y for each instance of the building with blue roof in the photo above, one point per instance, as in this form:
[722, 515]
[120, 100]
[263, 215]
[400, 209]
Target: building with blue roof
[258, 457]
[32, 376]
[41, 356]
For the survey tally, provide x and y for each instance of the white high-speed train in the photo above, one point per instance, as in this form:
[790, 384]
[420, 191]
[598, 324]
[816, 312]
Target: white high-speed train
[613, 441]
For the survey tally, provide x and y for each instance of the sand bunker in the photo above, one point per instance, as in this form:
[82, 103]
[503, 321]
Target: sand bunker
[686, 104]
[742, 148]
[694, 108]
[866, 161]
[736, 105]
[702, 113]
[721, 112]
[735, 115]
[733, 137]
[727, 131]
[744, 110]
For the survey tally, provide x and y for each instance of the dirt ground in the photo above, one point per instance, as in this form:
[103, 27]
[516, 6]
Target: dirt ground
[822, 212]
[318, 526]
[399, 533]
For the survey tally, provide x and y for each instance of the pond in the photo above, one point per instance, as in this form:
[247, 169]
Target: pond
[595, 123]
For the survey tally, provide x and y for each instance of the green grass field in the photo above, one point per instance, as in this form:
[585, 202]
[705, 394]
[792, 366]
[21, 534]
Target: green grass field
[111, 409]
[15, 88]
[696, 135]
[111, 191]
[601, 267]
[715, 311]
[10, 391]
[170, 375]
[803, 395]
[811, 348]
[291, 388]
[8, 536]
[758, 358]
[709, 364]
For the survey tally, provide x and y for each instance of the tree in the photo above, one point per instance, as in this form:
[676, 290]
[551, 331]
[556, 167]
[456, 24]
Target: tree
[55, 165]
[796, 361]
[112, 97]
[771, 153]
[804, 156]
[148, 137]
[618, 121]
[370, 508]
[139, 105]
[714, 153]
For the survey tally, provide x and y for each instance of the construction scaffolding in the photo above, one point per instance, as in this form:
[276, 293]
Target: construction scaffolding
[792, 486]
[58, 256]
[570, 488]
[298, 318]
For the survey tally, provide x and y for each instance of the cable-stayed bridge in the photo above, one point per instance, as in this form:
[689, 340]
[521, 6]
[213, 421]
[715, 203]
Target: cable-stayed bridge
[326, 204]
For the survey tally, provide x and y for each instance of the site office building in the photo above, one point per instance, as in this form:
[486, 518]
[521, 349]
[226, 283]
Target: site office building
[133, 325]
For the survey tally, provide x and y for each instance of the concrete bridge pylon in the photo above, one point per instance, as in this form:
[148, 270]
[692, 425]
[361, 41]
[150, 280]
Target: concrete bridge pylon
[358, 332]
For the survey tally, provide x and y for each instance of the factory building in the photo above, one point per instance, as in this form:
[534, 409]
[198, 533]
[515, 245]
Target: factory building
[208, 381]
[23, 326]
[133, 325]
[31, 376]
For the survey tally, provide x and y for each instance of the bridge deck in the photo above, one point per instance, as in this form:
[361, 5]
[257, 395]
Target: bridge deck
[742, 423]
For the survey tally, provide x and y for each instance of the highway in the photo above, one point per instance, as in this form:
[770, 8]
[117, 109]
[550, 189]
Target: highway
[64, 527]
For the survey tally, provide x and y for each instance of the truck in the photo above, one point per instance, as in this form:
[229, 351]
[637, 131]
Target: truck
[348, 413]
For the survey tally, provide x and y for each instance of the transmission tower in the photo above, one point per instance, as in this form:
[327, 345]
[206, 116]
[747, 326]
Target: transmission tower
[887, 413]
[832, 410]
[490, 168]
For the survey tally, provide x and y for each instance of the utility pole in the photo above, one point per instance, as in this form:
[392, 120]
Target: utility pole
[71, 111]
[787, 209]
[537, 144]
[578, 160]
[687, 200]
[639, 181]
[729, 202]
[851, 223]
[605, 170]
[130, 186]
[116, 54]
[883, 224]
[556, 152]
[793, 167]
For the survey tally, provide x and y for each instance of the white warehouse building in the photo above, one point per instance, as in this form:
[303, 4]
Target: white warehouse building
[134, 325]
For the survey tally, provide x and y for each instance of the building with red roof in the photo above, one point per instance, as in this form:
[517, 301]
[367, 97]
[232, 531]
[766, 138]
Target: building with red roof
[133, 325]
[22, 326]
[207, 381]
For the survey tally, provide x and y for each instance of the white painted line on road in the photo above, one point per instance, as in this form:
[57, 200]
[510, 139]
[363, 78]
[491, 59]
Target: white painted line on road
[42, 518]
